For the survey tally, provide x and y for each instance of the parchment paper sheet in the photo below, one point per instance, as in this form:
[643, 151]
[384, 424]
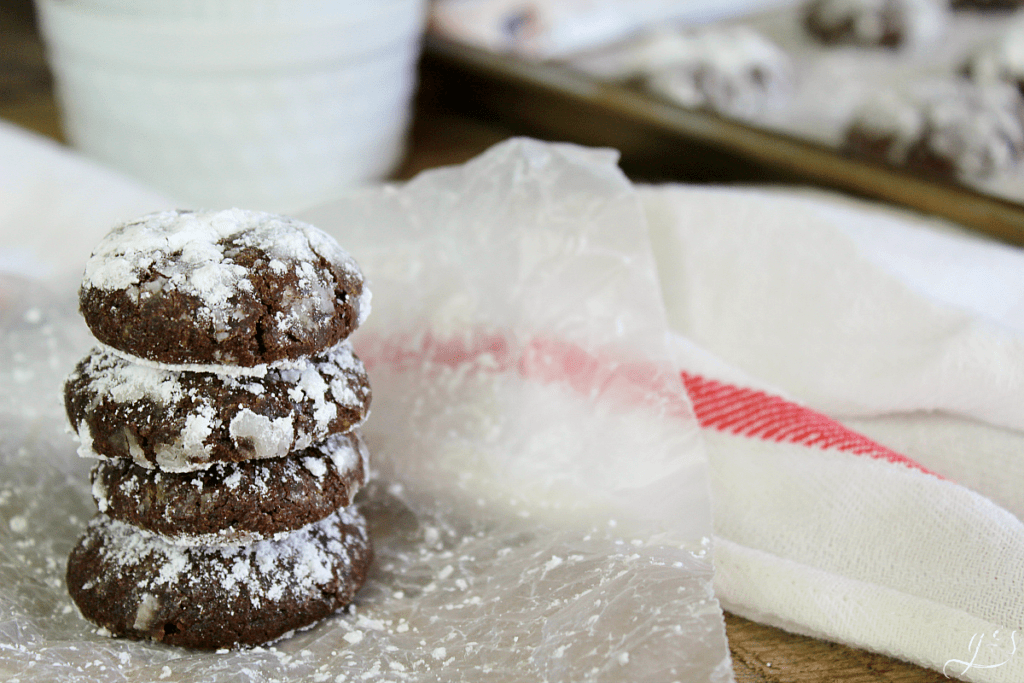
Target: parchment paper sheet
[540, 508]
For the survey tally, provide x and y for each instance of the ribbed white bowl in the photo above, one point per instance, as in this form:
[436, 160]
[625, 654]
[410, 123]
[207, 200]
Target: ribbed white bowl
[236, 11]
[275, 115]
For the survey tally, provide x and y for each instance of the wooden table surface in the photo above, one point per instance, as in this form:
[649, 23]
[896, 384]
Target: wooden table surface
[442, 135]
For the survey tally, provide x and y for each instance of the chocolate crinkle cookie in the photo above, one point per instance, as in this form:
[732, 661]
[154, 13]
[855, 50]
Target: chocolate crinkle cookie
[234, 503]
[957, 133]
[182, 421]
[138, 585]
[225, 287]
[884, 23]
[730, 70]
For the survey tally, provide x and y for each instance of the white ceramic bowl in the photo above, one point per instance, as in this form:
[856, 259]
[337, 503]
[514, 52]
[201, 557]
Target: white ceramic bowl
[72, 31]
[234, 11]
[275, 116]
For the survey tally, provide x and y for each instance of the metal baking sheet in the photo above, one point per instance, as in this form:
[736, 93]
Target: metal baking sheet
[660, 141]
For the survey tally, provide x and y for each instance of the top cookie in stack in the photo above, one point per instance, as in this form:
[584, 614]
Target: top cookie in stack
[238, 288]
[223, 405]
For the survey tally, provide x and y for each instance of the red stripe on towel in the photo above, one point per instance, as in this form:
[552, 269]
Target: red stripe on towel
[758, 415]
[717, 405]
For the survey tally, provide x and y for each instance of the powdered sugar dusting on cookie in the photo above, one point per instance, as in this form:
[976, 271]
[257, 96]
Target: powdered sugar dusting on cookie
[298, 563]
[365, 305]
[254, 371]
[307, 398]
[239, 288]
[316, 466]
[127, 382]
[270, 438]
[959, 128]
[195, 249]
[348, 451]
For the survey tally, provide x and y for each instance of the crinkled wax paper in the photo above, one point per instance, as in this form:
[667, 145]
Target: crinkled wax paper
[540, 505]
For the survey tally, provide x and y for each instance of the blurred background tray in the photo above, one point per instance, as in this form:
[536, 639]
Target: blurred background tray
[663, 142]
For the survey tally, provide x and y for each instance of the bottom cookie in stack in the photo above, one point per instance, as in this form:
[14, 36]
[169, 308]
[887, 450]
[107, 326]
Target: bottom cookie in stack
[139, 584]
[238, 554]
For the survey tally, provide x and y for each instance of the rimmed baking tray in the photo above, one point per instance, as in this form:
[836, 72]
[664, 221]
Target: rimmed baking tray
[662, 141]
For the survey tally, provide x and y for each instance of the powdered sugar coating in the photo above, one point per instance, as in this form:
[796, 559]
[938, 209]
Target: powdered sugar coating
[183, 421]
[1000, 60]
[194, 255]
[732, 70]
[954, 130]
[239, 287]
[235, 503]
[137, 584]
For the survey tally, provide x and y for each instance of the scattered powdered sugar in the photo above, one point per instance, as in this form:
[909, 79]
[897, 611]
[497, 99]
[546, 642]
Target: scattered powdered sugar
[199, 425]
[146, 612]
[225, 537]
[255, 371]
[85, 440]
[18, 524]
[365, 305]
[99, 494]
[192, 446]
[309, 384]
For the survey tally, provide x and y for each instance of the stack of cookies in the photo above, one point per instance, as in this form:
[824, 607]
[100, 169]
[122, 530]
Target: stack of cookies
[222, 404]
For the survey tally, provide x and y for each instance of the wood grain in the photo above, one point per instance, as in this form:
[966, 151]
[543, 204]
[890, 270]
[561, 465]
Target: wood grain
[762, 654]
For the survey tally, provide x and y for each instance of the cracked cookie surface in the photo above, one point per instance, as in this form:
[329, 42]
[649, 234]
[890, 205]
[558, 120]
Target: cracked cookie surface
[226, 287]
[235, 502]
[183, 421]
[138, 585]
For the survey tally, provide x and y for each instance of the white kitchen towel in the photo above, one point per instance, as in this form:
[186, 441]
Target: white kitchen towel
[819, 529]
[55, 205]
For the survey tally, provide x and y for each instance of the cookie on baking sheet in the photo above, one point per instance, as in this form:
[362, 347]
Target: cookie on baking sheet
[731, 70]
[960, 132]
[884, 128]
[999, 61]
[223, 287]
[136, 584]
[183, 421]
[884, 23]
[236, 502]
